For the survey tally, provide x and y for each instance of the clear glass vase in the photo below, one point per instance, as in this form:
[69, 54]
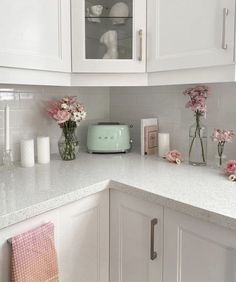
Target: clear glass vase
[220, 161]
[68, 144]
[198, 143]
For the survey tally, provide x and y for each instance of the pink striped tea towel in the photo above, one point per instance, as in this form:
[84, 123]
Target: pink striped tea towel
[33, 256]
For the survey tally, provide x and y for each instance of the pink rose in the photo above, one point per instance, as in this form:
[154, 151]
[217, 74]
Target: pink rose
[62, 116]
[174, 157]
[53, 108]
[230, 168]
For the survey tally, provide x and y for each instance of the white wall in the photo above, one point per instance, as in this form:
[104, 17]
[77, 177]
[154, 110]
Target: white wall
[167, 103]
[29, 118]
[129, 105]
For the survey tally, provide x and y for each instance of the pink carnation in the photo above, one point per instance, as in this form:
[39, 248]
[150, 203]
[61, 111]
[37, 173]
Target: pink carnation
[230, 168]
[62, 116]
[198, 96]
[222, 136]
[174, 157]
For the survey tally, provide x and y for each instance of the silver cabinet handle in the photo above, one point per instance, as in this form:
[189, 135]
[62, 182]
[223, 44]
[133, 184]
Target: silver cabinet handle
[225, 14]
[140, 33]
[153, 253]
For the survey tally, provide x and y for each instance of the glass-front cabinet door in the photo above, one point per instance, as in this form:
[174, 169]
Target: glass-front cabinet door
[109, 36]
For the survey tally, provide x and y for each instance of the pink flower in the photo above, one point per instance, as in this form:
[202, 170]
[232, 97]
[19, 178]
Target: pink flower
[67, 109]
[198, 96]
[222, 136]
[62, 116]
[174, 157]
[230, 168]
[53, 108]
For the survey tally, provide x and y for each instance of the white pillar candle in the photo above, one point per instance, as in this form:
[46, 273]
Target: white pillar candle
[7, 128]
[27, 153]
[43, 150]
[163, 143]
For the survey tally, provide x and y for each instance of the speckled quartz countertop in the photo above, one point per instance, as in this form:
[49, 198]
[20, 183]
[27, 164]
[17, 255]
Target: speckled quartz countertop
[199, 191]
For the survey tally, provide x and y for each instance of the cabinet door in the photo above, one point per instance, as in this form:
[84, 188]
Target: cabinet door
[81, 239]
[196, 251]
[19, 228]
[190, 33]
[131, 221]
[35, 34]
[108, 36]
[84, 240]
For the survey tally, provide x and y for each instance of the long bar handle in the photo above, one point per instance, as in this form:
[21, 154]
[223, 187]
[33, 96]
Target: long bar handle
[225, 14]
[140, 33]
[153, 253]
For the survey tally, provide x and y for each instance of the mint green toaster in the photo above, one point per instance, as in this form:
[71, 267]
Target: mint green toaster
[108, 138]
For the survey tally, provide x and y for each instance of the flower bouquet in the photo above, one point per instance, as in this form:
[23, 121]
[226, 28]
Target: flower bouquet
[68, 113]
[222, 137]
[198, 132]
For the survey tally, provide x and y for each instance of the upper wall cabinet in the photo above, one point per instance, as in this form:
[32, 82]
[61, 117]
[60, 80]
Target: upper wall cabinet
[108, 36]
[190, 33]
[35, 34]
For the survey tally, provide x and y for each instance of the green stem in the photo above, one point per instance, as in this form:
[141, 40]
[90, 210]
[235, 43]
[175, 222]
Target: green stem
[198, 132]
[220, 151]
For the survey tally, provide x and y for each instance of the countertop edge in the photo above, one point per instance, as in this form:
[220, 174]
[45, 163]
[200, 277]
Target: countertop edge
[51, 204]
[67, 198]
[196, 212]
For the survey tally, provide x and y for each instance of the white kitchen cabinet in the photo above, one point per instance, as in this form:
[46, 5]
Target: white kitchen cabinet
[114, 41]
[197, 251]
[81, 237]
[132, 221]
[35, 34]
[84, 240]
[190, 34]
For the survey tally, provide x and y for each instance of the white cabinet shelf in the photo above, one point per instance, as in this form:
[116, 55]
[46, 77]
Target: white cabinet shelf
[105, 46]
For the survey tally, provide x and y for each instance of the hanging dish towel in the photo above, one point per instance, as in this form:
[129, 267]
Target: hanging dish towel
[33, 256]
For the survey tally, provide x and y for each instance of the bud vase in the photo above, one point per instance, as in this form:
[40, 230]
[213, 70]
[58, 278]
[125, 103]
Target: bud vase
[220, 160]
[198, 143]
[68, 144]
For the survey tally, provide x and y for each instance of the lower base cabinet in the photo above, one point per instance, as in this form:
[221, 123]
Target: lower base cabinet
[115, 237]
[197, 251]
[81, 238]
[136, 239]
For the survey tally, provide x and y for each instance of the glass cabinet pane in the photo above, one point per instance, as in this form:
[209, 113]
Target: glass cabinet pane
[108, 29]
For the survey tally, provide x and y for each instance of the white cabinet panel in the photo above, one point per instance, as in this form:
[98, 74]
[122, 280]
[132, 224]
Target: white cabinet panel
[19, 228]
[35, 34]
[130, 239]
[81, 238]
[190, 33]
[197, 251]
[84, 240]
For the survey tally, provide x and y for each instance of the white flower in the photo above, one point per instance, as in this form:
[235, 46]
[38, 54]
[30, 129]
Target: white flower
[64, 106]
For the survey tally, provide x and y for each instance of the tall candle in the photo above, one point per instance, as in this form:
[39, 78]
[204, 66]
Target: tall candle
[163, 143]
[43, 150]
[7, 128]
[27, 153]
